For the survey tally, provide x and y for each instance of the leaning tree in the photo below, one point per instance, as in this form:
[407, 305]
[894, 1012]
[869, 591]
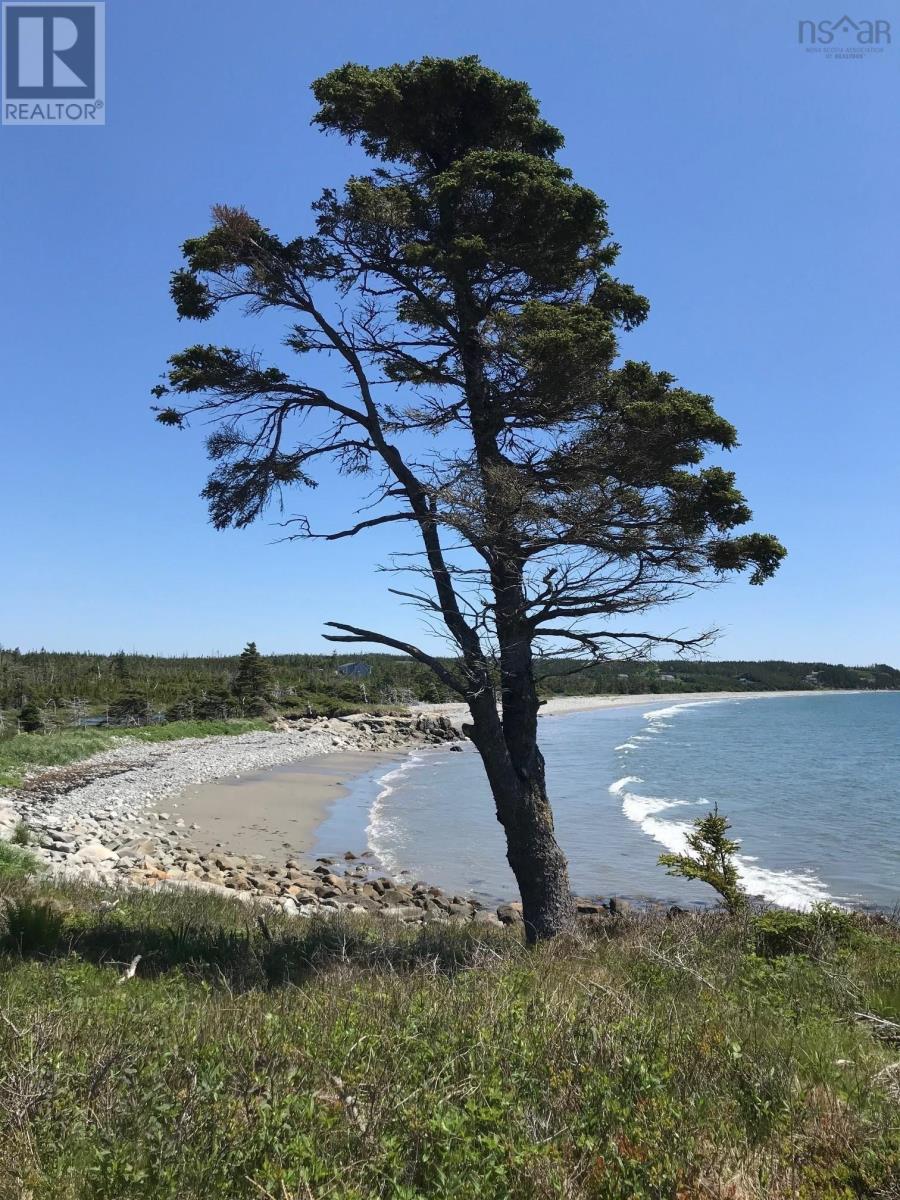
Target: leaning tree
[464, 285]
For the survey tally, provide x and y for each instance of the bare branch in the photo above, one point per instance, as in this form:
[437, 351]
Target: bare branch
[307, 534]
[353, 634]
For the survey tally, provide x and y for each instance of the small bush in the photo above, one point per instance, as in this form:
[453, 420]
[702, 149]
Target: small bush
[15, 862]
[34, 926]
[788, 932]
[21, 834]
[30, 719]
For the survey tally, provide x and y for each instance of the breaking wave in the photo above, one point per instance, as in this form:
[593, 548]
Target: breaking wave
[382, 833]
[791, 889]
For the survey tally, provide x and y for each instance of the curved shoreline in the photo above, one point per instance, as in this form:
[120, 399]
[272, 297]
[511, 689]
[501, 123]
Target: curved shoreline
[406, 839]
[108, 818]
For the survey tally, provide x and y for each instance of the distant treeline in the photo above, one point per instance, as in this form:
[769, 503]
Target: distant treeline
[73, 686]
[704, 676]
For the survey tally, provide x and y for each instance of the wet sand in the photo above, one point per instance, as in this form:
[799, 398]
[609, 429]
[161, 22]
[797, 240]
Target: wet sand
[273, 813]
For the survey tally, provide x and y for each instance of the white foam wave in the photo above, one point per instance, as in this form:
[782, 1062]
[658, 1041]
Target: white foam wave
[380, 829]
[655, 715]
[621, 784]
[791, 889]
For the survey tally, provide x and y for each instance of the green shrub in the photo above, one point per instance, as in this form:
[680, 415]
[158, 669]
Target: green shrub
[788, 932]
[34, 926]
[15, 862]
[320, 704]
[21, 834]
[30, 719]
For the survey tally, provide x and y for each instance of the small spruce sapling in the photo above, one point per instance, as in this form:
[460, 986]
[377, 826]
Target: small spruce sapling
[31, 719]
[711, 860]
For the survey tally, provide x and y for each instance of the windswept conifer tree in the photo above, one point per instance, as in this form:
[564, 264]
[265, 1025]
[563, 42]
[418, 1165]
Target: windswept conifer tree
[465, 284]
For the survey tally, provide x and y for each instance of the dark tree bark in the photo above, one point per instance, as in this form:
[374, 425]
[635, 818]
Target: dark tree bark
[515, 771]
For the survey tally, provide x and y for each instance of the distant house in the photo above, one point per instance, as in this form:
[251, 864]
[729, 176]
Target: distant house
[668, 678]
[355, 670]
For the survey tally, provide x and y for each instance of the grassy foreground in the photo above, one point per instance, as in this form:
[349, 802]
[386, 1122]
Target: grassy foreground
[342, 1060]
[26, 751]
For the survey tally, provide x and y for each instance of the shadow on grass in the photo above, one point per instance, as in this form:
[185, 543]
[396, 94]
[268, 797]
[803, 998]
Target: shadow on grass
[247, 947]
[225, 942]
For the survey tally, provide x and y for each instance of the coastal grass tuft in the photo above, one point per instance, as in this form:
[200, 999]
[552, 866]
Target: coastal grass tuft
[251, 1055]
[15, 862]
[28, 751]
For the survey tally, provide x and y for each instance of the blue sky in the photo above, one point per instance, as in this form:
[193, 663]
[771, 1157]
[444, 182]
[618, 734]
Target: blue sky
[754, 190]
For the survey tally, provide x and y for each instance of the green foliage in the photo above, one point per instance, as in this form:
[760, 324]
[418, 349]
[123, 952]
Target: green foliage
[324, 704]
[21, 834]
[481, 274]
[400, 112]
[15, 862]
[199, 688]
[816, 932]
[33, 925]
[30, 719]
[190, 729]
[253, 678]
[131, 709]
[711, 860]
[704, 675]
[360, 1060]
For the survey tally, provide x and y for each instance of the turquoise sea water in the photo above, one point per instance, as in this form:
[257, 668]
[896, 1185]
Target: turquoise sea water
[810, 784]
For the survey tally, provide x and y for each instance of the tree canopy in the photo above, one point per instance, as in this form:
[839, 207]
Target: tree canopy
[475, 261]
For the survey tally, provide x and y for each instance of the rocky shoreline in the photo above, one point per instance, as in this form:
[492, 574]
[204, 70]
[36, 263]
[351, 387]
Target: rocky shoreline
[105, 820]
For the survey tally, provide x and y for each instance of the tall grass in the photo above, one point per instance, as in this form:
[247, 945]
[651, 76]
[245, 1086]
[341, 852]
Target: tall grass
[349, 1059]
[27, 751]
[15, 862]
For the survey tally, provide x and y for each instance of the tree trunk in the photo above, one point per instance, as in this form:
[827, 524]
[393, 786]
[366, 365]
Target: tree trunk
[538, 864]
[516, 776]
[508, 748]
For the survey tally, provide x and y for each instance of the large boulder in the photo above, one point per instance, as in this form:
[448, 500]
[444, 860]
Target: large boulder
[510, 914]
[95, 854]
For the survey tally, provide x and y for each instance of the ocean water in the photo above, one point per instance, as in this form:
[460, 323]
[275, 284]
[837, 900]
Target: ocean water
[810, 784]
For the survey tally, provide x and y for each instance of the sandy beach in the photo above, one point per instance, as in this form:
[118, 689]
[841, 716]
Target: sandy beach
[269, 813]
[560, 706]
